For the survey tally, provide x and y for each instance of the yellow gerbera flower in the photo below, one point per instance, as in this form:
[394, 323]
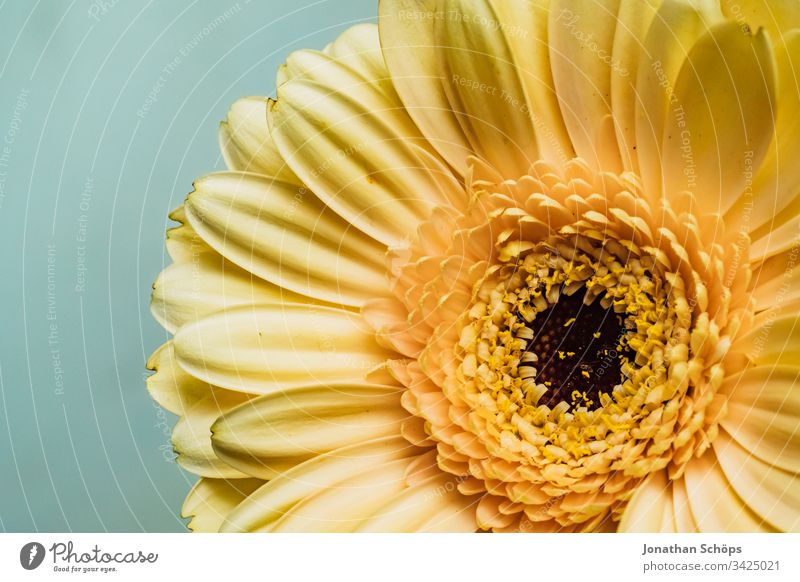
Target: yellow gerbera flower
[510, 265]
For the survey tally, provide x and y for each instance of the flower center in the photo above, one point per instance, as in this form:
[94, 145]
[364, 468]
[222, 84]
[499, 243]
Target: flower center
[570, 338]
[579, 349]
[565, 349]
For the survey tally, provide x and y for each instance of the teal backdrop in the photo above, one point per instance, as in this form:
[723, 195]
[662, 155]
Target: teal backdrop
[108, 110]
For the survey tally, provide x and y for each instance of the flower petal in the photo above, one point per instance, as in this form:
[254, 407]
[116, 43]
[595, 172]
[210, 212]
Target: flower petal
[343, 507]
[581, 37]
[183, 243]
[777, 16]
[526, 26]
[775, 279]
[764, 413]
[684, 520]
[410, 50]
[715, 505]
[359, 48]
[771, 493]
[482, 84]
[354, 146]
[633, 22]
[723, 116]
[246, 143]
[285, 235]
[199, 404]
[271, 433]
[327, 471]
[191, 436]
[210, 500]
[171, 386]
[645, 511]
[431, 505]
[674, 30]
[269, 348]
[187, 291]
[774, 340]
[773, 198]
[774, 242]
[668, 523]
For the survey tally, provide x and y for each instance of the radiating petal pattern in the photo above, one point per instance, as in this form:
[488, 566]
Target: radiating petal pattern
[283, 234]
[499, 265]
[380, 179]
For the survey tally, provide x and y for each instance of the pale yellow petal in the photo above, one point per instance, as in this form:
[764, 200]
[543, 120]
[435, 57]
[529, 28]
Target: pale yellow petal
[271, 433]
[773, 198]
[668, 523]
[246, 143]
[776, 280]
[262, 509]
[191, 437]
[723, 116]
[715, 505]
[285, 235]
[777, 16]
[430, 505]
[581, 37]
[776, 241]
[633, 22]
[764, 413]
[482, 84]
[774, 340]
[210, 500]
[457, 515]
[674, 30]
[771, 493]
[269, 348]
[199, 404]
[476, 77]
[200, 281]
[684, 520]
[646, 509]
[171, 386]
[359, 48]
[189, 290]
[183, 243]
[352, 145]
[342, 508]
[525, 23]
[410, 50]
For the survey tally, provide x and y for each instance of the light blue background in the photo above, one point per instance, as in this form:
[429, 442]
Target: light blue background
[77, 161]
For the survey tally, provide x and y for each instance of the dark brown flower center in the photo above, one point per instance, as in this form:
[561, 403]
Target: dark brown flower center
[580, 350]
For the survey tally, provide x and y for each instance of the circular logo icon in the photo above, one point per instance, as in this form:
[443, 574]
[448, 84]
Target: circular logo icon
[31, 555]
